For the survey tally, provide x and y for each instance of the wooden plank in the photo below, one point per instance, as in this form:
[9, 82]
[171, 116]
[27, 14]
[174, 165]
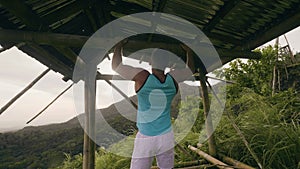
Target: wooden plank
[161, 5]
[42, 38]
[65, 12]
[129, 5]
[91, 19]
[278, 26]
[221, 13]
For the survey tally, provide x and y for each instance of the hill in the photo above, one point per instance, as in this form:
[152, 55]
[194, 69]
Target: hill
[44, 146]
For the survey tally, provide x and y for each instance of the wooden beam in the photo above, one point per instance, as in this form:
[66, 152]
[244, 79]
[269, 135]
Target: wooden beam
[45, 58]
[128, 7]
[221, 13]
[277, 27]
[42, 38]
[91, 19]
[65, 11]
[223, 38]
[67, 40]
[98, 8]
[161, 5]
[68, 53]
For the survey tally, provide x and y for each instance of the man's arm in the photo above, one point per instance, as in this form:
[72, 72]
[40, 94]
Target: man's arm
[126, 71]
[181, 75]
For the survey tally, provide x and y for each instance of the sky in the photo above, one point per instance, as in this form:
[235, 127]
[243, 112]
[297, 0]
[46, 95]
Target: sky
[17, 70]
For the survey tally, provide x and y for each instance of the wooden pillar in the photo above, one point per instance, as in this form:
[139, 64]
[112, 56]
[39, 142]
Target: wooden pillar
[89, 134]
[207, 116]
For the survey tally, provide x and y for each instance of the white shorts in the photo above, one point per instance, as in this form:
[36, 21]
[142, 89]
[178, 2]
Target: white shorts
[146, 147]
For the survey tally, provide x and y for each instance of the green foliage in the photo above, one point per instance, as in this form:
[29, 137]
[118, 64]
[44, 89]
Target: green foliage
[71, 162]
[274, 140]
[254, 74]
[107, 160]
[42, 147]
[190, 115]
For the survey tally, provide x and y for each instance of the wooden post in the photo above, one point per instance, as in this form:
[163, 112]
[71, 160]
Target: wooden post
[92, 120]
[89, 134]
[207, 115]
[290, 50]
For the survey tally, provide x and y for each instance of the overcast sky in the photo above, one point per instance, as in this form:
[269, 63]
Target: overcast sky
[18, 69]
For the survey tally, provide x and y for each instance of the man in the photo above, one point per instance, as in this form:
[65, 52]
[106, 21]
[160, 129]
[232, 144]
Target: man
[155, 92]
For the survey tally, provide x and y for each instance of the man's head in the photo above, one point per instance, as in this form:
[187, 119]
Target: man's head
[160, 59]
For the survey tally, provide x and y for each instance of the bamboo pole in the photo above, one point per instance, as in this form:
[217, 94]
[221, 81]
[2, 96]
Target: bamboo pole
[222, 80]
[92, 125]
[183, 150]
[274, 69]
[194, 167]
[209, 158]
[189, 163]
[50, 104]
[23, 91]
[290, 50]
[122, 93]
[208, 121]
[234, 162]
[237, 129]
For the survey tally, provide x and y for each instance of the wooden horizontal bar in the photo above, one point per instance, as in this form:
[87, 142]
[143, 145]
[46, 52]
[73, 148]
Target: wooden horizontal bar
[42, 38]
[68, 40]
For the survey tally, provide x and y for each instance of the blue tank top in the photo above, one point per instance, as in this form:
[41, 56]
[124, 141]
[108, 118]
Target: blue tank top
[154, 105]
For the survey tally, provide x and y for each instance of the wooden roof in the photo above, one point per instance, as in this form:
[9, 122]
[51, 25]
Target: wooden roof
[54, 31]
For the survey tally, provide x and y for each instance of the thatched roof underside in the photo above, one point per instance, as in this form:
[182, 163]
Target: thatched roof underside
[54, 31]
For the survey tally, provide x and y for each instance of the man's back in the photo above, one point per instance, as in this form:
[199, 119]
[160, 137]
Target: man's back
[154, 103]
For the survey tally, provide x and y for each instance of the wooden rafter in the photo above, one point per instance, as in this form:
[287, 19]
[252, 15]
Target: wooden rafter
[161, 5]
[55, 39]
[45, 57]
[91, 19]
[228, 6]
[65, 11]
[278, 26]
